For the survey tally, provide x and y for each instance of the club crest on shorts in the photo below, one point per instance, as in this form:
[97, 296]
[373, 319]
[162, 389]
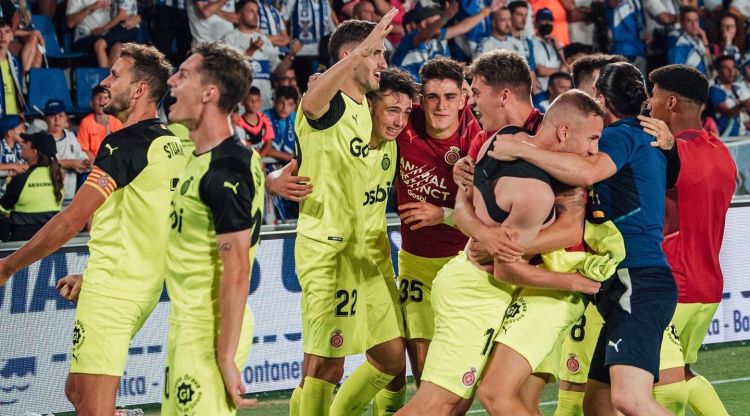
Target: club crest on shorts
[452, 155]
[572, 364]
[515, 312]
[79, 335]
[469, 377]
[187, 392]
[337, 340]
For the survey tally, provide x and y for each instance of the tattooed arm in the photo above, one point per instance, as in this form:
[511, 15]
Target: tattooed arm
[567, 230]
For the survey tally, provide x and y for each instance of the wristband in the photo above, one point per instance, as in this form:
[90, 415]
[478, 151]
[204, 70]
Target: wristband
[448, 217]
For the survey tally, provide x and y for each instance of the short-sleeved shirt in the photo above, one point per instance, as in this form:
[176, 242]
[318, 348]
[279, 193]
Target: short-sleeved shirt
[69, 149]
[9, 88]
[545, 55]
[211, 28]
[259, 134]
[333, 150]
[509, 43]
[30, 198]
[729, 126]
[411, 58]
[136, 169]
[634, 196]
[98, 18]
[690, 51]
[285, 137]
[219, 192]
[699, 204]
[91, 134]
[263, 61]
[625, 22]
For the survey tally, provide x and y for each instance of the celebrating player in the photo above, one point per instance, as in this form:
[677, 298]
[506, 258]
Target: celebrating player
[334, 127]
[692, 247]
[438, 134]
[631, 181]
[124, 276]
[216, 215]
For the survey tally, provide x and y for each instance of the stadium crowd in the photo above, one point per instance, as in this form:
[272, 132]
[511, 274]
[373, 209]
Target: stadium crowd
[285, 42]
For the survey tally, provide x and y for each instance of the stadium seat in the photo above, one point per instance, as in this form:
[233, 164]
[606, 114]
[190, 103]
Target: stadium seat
[85, 80]
[46, 84]
[44, 24]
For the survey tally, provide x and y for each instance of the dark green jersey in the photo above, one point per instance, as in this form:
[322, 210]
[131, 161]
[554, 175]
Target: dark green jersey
[136, 169]
[220, 191]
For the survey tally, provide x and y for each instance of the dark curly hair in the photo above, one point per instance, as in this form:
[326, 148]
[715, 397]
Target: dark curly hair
[503, 69]
[395, 80]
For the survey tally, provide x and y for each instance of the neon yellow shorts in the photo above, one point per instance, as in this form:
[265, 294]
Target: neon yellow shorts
[104, 327]
[578, 346]
[193, 384]
[385, 321]
[692, 321]
[415, 278]
[469, 305]
[330, 280]
[536, 322]
[670, 355]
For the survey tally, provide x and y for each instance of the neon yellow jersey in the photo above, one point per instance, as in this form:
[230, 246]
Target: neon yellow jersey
[372, 203]
[136, 169]
[333, 152]
[181, 131]
[220, 191]
[11, 105]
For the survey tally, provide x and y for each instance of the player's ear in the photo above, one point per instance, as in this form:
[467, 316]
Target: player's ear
[139, 90]
[562, 134]
[462, 104]
[672, 103]
[208, 93]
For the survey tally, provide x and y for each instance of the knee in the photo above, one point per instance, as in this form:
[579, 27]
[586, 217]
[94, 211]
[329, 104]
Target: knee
[71, 392]
[100, 45]
[489, 397]
[395, 366]
[628, 403]
[331, 371]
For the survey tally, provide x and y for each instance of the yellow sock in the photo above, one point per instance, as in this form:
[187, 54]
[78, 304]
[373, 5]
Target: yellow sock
[569, 403]
[315, 399]
[358, 390]
[294, 401]
[673, 396]
[388, 402]
[703, 398]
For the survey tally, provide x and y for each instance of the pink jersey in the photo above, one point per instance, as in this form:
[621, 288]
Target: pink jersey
[695, 216]
[426, 174]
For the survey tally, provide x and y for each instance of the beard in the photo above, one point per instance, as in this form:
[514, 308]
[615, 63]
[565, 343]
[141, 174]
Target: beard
[118, 104]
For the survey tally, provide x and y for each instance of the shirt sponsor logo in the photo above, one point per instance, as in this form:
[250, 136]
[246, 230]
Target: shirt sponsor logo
[358, 148]
[422, 183]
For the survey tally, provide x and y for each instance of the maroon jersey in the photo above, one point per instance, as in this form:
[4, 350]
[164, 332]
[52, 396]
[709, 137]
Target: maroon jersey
[426, 174]
[533, 124]
[696, 212]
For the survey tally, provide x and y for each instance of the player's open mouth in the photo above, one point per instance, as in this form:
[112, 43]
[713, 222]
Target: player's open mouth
[377, 76]
[392, 131]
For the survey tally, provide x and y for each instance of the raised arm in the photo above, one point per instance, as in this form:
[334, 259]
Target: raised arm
[316, 101]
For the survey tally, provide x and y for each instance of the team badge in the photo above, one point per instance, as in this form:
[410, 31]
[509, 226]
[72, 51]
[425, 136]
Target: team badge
[515, 312]
[469, 377]
[452, 155]
[103, 181]
[79, 335]
[188, 393]
[572, 364]
[385, 163]
[337, 340]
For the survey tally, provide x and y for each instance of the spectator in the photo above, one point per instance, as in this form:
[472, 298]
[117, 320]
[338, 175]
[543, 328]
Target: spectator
[287, 79]
[171, 25]
[467, 43]
[309, 21]
[72, 159]
[12, 102]
[101, 27]
[519, 14]
[35, 196]
[97, 125]
[728, 99]
[690, 45]
[365, 10]
[662, 17]
[282, 117]
[576, 50]
[10, 149]
[625, 22]
[263, 55]
[728, 39]
[272, 24]
[256, 129]
[548, 53]
[581, 28]
[426, 37]
[559, 82]
[27, 41]
[559, 20]
[501, 37]
[210, 19]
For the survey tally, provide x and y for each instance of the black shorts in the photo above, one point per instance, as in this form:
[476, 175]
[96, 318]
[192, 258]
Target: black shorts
[117, 34]
[634, 326]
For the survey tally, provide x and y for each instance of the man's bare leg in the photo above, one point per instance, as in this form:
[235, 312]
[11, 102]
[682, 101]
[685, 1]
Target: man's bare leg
[417, 349]
[92, 394]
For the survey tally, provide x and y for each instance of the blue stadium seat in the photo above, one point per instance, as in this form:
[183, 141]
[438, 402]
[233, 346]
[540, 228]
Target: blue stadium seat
[85, 80]
[46, 84]
[44, 24]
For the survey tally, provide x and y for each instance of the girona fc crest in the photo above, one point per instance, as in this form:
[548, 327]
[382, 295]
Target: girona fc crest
[469, 377]
[452, 155]
[572, 364]
[337, 340]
